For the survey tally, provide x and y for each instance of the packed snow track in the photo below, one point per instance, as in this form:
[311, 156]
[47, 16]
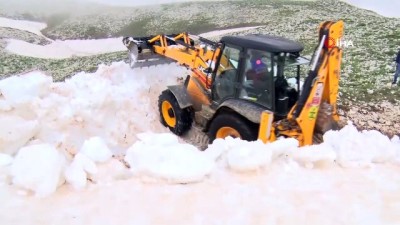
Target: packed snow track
[91, 150]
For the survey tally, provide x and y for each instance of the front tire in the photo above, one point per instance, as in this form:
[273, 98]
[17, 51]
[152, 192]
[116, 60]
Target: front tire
[172, 116]
[225, 125]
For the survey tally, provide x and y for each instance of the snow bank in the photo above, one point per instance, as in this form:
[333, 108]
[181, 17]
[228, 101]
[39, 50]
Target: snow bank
[161, 156]
[94, 116]
[360, 149]
[59, 49]
[38, 168]
[113, 104]
[226, 31]
[25, 25]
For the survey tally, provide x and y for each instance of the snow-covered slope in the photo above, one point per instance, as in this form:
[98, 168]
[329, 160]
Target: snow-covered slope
[30, 26]
[94, 144]
[65, 49]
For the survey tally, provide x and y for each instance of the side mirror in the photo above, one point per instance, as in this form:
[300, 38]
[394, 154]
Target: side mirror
[207, 70]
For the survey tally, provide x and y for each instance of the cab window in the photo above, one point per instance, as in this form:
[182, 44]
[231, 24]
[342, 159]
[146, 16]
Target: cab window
[258, 78]
[227, 73]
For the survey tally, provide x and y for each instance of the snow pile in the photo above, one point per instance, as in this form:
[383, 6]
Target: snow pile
[76, 130]
[360, 149]
[161, 156]
[113, 104]
[90, 116]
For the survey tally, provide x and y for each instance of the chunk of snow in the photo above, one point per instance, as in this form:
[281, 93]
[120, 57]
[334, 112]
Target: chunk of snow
[249, 156]
[283, 147]
[77, 172]
[38, 168]
[174, 162]
[15, 132]
[314, 156]
[96, 149]
[24, 88]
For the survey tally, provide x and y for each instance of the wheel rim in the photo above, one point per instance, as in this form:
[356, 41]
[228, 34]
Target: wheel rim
[224, 132]
[168, 114]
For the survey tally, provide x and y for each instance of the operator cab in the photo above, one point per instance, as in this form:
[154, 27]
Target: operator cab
[256, 68]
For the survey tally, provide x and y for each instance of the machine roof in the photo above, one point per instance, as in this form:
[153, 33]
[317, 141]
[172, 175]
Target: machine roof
[264, 42]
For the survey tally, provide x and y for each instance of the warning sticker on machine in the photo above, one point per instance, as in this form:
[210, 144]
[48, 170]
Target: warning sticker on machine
[316, 100]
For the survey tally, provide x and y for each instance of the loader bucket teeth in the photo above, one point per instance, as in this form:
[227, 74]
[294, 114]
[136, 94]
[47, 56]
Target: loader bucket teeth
[150, 62]
[147, 60]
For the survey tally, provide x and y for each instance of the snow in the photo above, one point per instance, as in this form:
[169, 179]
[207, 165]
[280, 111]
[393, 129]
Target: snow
[96, 150]
[96, 145]
[15, 132]
[361, 149]
[38, 168]
[63, 49]
[78, 171]
[30, 26]
[167, 159]
[59, 49]
[226, 31]
[5, 160]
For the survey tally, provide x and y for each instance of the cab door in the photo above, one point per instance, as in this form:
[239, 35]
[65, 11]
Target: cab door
[227, 74]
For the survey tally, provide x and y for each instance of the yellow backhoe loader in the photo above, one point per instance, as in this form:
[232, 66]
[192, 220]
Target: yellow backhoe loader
[248, 86]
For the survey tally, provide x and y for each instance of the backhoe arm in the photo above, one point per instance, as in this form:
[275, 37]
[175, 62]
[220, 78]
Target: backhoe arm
[320, 87]
[322, 82]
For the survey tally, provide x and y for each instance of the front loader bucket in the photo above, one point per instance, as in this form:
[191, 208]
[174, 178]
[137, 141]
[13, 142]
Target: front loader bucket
[145, 58]
[140, 52]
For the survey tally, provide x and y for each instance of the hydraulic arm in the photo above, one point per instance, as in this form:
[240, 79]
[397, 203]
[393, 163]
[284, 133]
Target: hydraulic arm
[320, 87]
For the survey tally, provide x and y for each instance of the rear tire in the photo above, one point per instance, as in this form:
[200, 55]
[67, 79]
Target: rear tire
[233, 125]
[172, 116]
